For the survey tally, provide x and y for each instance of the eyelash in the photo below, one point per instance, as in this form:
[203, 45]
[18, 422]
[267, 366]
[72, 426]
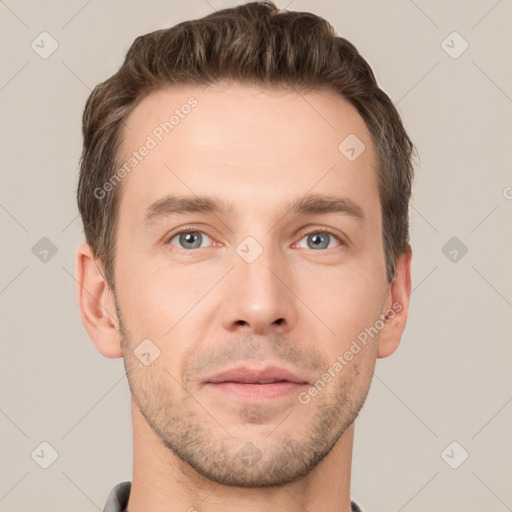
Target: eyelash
[194, 229]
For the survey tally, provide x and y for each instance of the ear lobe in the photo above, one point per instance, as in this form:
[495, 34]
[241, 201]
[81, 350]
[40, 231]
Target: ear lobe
[397, 306]
[96, 303]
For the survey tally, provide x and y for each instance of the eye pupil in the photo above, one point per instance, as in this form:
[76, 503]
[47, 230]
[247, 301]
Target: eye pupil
[188, 238]
[193, 239]
[318, 239]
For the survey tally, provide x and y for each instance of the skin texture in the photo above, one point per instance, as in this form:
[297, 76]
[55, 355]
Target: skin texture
[207, 309]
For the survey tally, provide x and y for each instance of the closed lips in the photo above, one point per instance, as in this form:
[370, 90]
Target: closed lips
[245, 375]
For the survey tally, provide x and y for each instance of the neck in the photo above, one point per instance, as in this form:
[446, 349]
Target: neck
[162, 482]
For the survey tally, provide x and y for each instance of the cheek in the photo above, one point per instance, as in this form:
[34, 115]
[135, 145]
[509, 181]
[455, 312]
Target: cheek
[158, 295]
[345, 300]
[162, 302]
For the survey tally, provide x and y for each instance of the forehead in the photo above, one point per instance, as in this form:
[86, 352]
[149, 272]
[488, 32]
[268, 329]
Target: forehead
[252, 147]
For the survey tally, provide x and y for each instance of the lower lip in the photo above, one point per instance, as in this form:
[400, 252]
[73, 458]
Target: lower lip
[257, 391]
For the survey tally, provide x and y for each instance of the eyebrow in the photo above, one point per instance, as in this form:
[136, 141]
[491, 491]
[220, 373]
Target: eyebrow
[312, 204]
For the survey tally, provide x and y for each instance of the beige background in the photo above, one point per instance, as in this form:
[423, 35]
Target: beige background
[450, 380]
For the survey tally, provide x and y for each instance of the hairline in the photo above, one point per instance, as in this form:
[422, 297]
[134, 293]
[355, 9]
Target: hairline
[328, 89]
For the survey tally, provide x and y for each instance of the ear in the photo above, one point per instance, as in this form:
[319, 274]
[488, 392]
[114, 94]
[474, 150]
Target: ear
[96, 302]
[396, 306]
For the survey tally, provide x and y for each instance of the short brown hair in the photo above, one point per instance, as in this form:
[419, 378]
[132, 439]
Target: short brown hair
[254, 43]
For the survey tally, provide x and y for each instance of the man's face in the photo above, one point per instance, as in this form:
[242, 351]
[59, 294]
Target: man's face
[255, 286]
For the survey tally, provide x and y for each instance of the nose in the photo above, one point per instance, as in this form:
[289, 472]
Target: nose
[259, 297]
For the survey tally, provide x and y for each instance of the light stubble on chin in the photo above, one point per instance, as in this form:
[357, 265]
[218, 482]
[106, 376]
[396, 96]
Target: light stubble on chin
[191, 431]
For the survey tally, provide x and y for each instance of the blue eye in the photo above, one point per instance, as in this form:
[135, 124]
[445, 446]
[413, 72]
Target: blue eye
[320, 239]
[189, 239]
[316, 240]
